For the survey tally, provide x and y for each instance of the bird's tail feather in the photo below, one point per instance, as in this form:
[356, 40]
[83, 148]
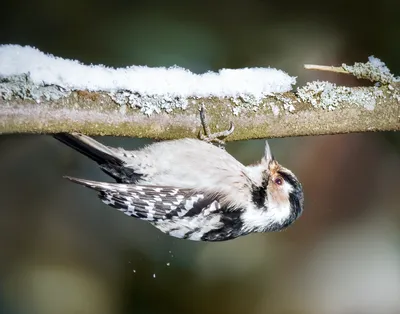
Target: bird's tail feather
[95, 185]
[89, 147]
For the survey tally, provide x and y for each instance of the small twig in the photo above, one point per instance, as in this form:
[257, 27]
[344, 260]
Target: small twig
[326, 68]
[374, 70]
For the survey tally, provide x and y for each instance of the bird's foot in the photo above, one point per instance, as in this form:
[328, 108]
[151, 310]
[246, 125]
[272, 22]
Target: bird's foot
[213, 137]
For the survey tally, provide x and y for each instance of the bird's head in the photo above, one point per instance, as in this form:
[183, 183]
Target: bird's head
[278, 199]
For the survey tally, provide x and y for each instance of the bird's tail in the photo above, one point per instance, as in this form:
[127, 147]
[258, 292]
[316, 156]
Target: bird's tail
[89, 147]
[95, 185]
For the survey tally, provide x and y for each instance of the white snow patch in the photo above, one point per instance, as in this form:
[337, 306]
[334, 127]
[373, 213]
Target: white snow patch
[378, 64]
[46, 69]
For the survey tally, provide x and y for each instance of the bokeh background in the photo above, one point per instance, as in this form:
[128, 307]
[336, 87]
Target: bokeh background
[62, 251]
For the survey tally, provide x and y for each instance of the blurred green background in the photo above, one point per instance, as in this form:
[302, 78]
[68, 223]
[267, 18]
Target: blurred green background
[63, 251]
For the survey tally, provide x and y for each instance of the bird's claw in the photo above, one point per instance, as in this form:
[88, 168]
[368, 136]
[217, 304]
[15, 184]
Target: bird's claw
[213, 137]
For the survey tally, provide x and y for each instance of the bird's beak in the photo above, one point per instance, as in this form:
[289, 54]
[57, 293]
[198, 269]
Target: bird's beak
[268, 157]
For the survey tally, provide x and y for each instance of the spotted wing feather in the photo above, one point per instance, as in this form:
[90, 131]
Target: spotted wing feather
[152, 203]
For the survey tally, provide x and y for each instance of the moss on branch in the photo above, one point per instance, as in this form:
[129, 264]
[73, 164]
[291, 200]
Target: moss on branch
[281, 115]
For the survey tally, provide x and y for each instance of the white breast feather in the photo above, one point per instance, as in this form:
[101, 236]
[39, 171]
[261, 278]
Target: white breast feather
[275, 212]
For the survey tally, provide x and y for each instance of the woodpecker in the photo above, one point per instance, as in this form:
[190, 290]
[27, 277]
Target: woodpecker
[191, 189]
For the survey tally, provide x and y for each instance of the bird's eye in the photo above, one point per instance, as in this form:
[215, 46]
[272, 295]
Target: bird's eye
[278, 181]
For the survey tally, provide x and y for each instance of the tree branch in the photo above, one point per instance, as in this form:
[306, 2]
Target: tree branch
[315, 109]
[80, 111]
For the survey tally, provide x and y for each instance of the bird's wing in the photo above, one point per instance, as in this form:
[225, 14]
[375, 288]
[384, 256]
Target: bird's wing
[153, 203]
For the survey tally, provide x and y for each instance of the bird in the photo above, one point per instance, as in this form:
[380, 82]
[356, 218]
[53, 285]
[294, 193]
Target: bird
[191, 189]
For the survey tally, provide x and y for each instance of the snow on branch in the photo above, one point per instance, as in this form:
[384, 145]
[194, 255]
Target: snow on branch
[40, 93]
